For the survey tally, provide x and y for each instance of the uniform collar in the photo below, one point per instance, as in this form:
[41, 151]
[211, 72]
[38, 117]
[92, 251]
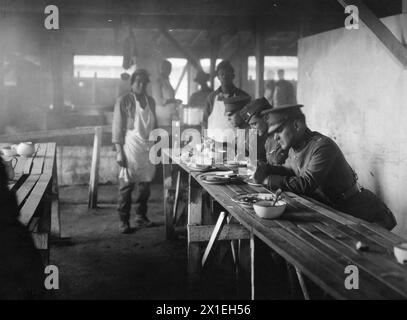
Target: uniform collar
[306, 138]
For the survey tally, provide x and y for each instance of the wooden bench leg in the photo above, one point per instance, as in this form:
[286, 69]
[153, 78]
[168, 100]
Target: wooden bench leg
[175, 207]
[302, 284]
[94, 173]
[214, 237]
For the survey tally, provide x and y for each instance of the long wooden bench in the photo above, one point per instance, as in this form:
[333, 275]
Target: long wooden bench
[36, 187]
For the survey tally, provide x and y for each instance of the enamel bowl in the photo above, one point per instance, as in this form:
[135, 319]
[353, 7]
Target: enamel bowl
[266, 210]
[400, 252]
[25, 149]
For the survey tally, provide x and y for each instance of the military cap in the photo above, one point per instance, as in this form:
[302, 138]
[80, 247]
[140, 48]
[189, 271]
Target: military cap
[277, 116]
[142, 72]
[255, 108]
[234, 104]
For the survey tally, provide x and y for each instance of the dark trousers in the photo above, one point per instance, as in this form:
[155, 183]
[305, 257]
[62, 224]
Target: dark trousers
[125, 197]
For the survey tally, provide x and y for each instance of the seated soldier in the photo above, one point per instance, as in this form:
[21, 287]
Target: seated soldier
[317, 168]
[268, 150]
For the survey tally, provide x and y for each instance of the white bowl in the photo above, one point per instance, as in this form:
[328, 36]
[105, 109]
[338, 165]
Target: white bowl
[400, 252]
[25, 149]
[265, 210]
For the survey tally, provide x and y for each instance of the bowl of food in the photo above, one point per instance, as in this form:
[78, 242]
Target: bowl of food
[400, 252]
[269, 209]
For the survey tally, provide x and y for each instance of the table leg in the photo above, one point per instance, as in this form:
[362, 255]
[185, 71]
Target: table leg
[194, 218]
[252, 279]
[302, 284]
[168, 201]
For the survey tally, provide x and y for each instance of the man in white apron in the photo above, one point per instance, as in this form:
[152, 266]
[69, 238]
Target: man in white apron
[164, 95]
[215, 119]
[133, 120]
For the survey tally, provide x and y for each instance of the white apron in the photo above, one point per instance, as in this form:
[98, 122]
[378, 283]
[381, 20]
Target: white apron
[137, 146]
[218, 124]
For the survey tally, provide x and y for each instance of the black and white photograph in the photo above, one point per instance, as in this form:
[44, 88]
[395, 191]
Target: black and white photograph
[203, 156]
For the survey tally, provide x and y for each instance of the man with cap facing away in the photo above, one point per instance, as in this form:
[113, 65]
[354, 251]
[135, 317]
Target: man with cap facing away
[215, 119]
[317, 168]
[268, 150]
[133, 120]
[198, 98]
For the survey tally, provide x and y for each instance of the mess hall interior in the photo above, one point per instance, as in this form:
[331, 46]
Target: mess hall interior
[189, 149]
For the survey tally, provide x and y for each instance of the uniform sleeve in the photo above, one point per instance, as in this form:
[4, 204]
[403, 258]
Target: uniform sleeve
[313, 176]
[118, 123]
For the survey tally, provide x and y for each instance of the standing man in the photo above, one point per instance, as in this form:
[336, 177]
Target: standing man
[215, 118]
[317, 168]
[284, 92]
[198, 98]
[133, 120]
[164, 95]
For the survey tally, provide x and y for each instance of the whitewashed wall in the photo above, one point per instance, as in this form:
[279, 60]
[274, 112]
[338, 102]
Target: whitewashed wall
[356, 92]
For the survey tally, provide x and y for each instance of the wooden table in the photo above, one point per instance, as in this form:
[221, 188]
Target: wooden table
[36, 188]
[317, 240]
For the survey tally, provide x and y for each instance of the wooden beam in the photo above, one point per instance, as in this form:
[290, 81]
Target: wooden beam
[259, 52]
[229, 232]
[49, 134]
[385, 36]
[191, 59]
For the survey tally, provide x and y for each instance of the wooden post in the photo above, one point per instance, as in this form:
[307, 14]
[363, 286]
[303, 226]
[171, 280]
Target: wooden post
[95, 76]
[55, 214]
[259, 50]
[57, 71]
[94, 173]
[215, 41]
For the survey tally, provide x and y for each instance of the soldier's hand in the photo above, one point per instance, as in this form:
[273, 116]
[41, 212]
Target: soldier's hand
[121, 159]
[262, 172]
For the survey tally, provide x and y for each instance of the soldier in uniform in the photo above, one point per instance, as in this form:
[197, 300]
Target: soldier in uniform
[317, 168]
[268, 150]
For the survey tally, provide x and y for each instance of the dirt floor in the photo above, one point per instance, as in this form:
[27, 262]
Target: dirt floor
[98, 262]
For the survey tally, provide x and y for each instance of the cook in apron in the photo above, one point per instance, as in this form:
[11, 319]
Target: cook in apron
[219, 128]
[137, 147]
[164, 113]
